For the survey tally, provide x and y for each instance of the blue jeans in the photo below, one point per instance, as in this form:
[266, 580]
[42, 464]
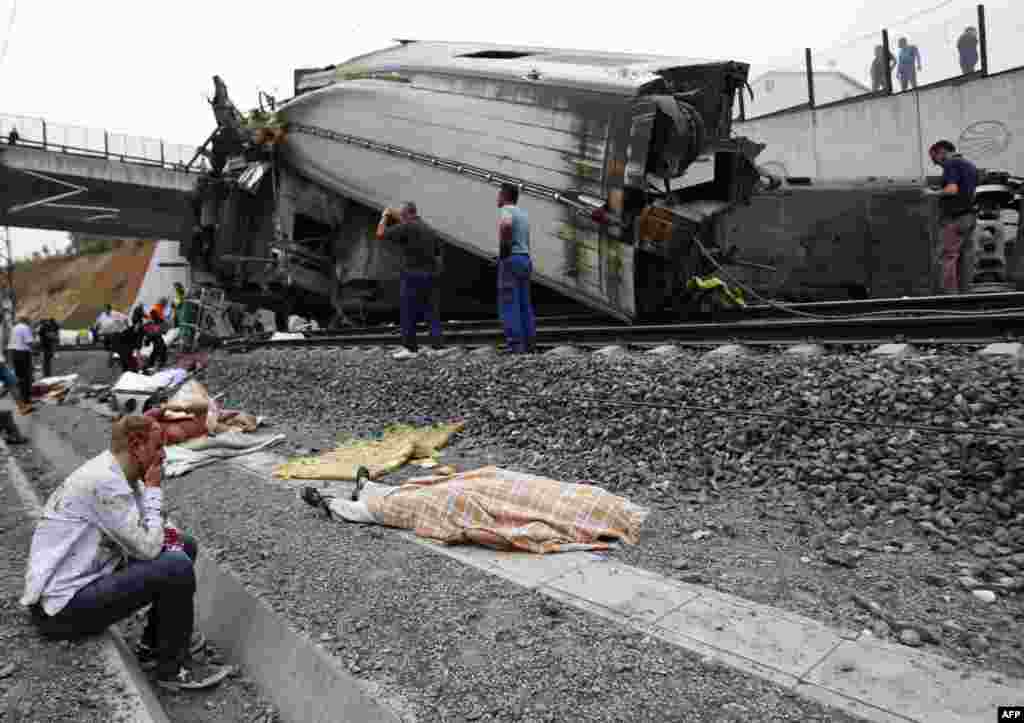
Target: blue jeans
[7, 377]
[419, 299]
[514, 301]
[168, 582]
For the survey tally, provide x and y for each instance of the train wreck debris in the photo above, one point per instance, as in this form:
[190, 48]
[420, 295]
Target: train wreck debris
[622, 161]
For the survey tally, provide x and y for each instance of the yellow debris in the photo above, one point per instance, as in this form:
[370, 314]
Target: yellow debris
[398, 445]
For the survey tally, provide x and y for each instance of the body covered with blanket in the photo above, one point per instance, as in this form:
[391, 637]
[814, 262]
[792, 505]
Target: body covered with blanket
[501, 509]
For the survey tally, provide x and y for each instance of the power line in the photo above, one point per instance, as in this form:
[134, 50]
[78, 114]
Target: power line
[10, 31]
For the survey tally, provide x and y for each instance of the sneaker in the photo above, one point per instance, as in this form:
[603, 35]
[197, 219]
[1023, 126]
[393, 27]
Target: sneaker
[147, 655]
[404, 354]
[194, 676]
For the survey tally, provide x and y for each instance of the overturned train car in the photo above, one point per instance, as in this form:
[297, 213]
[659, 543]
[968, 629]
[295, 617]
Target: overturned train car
[622, 161]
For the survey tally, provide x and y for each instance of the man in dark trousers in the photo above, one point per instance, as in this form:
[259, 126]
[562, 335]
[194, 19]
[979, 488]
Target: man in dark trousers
[19, 348]
[514, 269]
[967, 47]
[49, 338]
[956, 209]
[420, 274]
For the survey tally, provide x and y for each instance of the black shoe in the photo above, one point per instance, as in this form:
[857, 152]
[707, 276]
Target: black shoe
[147, 655]
[16, 440]
[362, 477]
[312, 497]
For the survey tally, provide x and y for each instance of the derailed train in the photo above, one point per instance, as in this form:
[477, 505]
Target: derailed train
[628, 169]
[622, 161]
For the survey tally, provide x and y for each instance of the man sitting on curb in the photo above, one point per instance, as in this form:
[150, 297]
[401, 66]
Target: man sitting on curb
[100, 553]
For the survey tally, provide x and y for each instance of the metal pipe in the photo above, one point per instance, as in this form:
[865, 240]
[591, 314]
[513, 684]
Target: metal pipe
[810, 77]
[982, 40]
[888, 62]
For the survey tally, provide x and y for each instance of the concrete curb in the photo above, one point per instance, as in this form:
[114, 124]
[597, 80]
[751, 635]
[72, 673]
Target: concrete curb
[302, 680]
[142, 705]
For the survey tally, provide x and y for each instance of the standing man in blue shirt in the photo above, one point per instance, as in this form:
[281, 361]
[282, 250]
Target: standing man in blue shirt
[514, 269]
[956, 209]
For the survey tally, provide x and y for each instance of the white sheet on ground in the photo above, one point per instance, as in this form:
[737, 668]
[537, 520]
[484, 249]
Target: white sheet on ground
[133, 386]
[66, 380]
[182, 460]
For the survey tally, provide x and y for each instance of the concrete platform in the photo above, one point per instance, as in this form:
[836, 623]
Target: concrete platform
[875, 680]
[140, 704]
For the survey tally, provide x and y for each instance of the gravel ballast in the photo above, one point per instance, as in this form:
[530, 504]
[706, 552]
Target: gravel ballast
[237, 698]
[439, 640]
[42, 680]
[789, 513]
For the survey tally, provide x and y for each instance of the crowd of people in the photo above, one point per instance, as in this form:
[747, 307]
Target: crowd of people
[122, 336]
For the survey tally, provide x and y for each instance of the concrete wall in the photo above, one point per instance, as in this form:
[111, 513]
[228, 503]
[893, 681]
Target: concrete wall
[889, 136]
[159, 281]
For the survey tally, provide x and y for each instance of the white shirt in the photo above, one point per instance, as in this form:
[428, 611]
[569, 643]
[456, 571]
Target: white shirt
[89, 524]
[21, 338]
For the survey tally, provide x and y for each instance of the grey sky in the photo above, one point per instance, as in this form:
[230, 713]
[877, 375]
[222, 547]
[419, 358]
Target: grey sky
[145, 68]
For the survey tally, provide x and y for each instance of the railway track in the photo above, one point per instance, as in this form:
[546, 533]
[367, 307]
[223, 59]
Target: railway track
[924, 329]
[968, 318]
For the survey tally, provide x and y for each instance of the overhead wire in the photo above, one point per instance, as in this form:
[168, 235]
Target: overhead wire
[10, 31]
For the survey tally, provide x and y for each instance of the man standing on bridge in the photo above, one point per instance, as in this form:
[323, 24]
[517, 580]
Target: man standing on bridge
[420, 277]
[956, 209]
[514, 269]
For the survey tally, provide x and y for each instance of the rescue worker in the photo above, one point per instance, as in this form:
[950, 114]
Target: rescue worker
[420, 274]
[179, 299]
[514, 269]
[49, 338]
[20, 349]
[154, 328]
[956, 210]
[126, 341]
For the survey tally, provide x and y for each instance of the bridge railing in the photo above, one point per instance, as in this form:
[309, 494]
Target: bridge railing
[943, 44]
[94, 142]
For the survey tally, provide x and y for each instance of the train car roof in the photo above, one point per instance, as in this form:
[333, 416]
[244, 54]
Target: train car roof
[623, 72]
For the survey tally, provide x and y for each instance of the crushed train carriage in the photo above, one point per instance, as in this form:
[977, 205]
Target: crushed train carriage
[622, 161]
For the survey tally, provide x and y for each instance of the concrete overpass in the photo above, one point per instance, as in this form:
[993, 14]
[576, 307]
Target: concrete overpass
[68, 178]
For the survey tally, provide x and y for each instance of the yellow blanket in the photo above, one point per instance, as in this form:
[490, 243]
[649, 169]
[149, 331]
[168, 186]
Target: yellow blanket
[398, 445]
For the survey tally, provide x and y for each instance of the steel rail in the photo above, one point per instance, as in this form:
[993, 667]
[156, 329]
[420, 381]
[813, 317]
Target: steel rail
[962, 328]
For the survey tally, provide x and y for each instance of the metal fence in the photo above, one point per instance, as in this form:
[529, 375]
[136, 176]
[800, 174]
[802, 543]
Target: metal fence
[931, 47]
[93, 142]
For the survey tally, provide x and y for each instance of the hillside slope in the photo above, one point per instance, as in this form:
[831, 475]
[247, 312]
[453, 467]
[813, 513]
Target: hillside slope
[73, 290]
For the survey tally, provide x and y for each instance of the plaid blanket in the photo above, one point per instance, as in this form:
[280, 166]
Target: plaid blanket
[510, 510]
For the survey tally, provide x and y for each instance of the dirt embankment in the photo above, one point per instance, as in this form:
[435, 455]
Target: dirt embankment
[74, 289]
